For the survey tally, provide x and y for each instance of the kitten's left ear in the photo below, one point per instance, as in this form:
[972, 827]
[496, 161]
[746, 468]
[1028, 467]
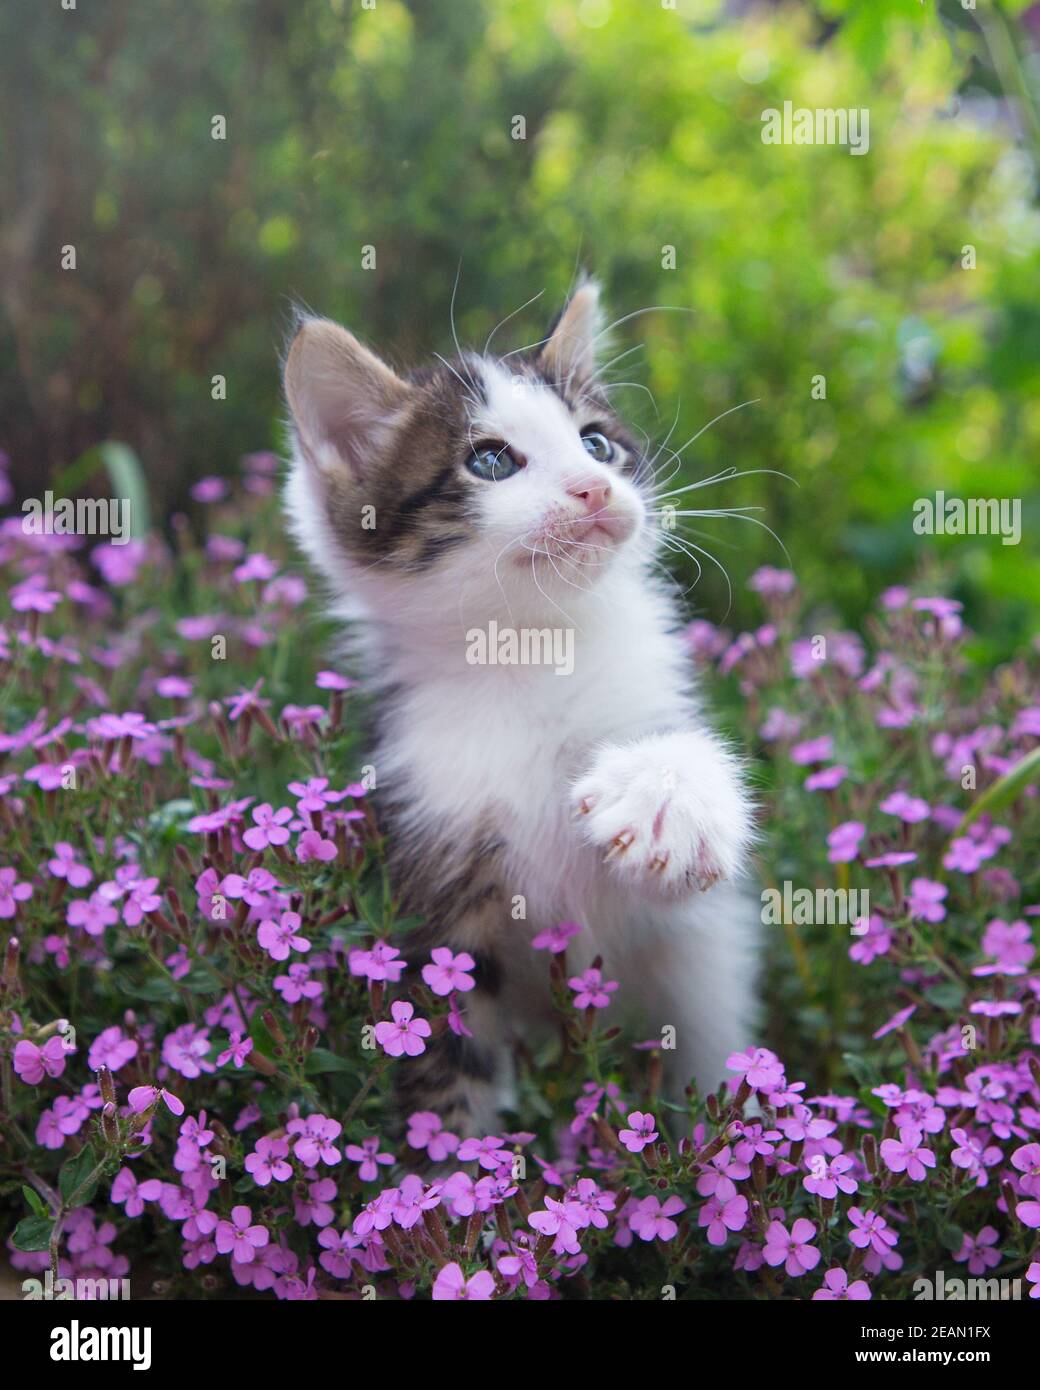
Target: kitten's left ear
[571, 351]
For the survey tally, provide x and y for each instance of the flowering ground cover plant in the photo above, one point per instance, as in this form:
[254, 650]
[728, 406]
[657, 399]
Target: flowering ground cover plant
[203, 1004]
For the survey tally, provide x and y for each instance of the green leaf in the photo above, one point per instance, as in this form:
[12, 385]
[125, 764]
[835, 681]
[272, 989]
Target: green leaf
[321, 1060]
[167, 822]
[33, 1233]
[872, 1102]
[35, 1201]
[155, 991]
[1005, 790]
[74, 1174]
[948, 994]
[126, 478]
[864, 1071]
[128, 481]
[951, 1236]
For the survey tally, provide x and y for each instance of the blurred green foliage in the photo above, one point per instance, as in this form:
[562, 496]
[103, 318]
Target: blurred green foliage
[391, 124]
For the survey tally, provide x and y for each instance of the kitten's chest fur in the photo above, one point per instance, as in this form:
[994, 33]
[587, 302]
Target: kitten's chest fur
[474, 762]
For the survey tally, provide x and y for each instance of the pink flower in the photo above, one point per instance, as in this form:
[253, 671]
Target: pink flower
[1011, 945]
[270, 827]
[139, 895]
[404, 1036]
[1029, 1215]
[239, 1238]
[652, 1219]
[367, 1154]
[209, 490]
[269, 1162]
[875, 941]
[66, 865]
[448, 971]
[771, 582]
[844, 841]
[489, 1152]
[237, 1051]
[591, 990]
[332, 680]
[925, 899]
[452, 1284]
[778, 725]
[813, 750]
[907, 1154]
[896, 1021]
[791, 1248]
[12, 892]
[311, 846]
[111, 1049]
[643, 1132]
[836, 1286]
[126, 1189]
[555, 939]
[255, 566]
[975, 1155]
[425, 1131]
[186, 1050]
[297, 984]
[760, 1068]
[33, 1063]
[562, 1220]
[281, 937]
[826, 779]
[908, 808]
[1027, 1160]
[141, 1098]
[871, 1232]
[893, 859]
[826, 1177]
[314, 1140]
[380, 963]
[723, 1212]
[978, 1251]
[965, 855]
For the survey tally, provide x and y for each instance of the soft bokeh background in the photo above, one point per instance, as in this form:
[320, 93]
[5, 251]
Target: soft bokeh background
[391, 127]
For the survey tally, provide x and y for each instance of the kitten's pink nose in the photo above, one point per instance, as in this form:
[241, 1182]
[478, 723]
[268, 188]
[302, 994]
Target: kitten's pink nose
[593, 492]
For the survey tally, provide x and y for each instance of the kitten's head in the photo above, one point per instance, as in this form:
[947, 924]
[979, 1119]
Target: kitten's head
[482, 480]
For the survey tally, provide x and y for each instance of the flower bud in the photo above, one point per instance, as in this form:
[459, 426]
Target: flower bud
[10, 976]
[106, 1085]
[109, 1123]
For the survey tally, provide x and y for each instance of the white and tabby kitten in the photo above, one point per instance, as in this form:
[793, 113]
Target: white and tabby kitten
[503, 495]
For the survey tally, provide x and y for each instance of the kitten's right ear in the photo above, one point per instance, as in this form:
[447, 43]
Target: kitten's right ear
[342, 398]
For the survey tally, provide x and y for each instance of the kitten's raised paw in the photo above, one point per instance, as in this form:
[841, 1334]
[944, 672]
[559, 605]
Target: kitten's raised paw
[665, 816]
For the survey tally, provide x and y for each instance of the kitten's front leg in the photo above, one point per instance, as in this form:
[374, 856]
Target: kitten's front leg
[668, 812]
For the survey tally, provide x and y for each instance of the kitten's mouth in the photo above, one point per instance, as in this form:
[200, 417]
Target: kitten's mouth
[583, 537]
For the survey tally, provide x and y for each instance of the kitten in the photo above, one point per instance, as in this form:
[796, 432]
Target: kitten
[495, 496]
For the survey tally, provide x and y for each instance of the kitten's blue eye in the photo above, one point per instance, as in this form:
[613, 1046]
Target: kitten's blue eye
[492, 462]
[598, 445]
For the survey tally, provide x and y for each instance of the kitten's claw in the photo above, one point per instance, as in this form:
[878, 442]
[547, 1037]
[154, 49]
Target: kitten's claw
[659, 863]
[619, 845]
[583, 807]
